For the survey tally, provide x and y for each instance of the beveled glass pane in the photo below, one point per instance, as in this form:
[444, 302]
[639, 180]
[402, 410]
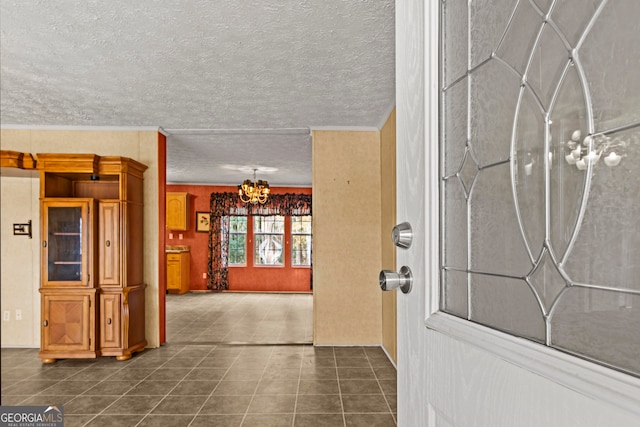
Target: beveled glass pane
[494, 94]
[496, 242]
[455, 36]
[521, 36]
[599, 324]
[468, 172]
[488, 21]
[611, 62]
[455, 126]
[572, 20]
[568, 131]
[506, 304]
[547, 281]
[543, 5]
[549, 60]
[611, 218]
[530, 172]
[455, 225]
[455, 291]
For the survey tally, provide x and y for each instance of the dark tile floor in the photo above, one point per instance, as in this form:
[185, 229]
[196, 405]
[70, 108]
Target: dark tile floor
[211, 384]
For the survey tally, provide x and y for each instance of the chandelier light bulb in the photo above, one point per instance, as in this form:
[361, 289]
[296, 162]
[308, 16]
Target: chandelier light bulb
[612, 159]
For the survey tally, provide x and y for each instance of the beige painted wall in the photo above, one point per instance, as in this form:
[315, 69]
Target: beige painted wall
[347, 230]
[20, 262]
[346, 244]
[388, 220]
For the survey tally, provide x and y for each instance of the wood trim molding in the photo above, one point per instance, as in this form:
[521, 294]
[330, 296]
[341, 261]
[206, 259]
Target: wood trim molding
[16, 159]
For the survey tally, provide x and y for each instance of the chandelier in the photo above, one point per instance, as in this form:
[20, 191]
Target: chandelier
[256, 191]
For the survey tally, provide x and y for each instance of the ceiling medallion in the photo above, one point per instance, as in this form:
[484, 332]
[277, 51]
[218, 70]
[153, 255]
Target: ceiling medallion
[256, 191]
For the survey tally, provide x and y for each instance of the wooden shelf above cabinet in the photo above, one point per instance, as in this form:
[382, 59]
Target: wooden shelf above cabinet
[76, 163]
[16, 159]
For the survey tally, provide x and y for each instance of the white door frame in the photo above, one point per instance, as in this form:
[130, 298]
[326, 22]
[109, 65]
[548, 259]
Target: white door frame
[417, 50]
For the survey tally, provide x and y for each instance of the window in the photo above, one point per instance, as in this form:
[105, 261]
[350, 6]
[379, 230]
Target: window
[238, 240]
[268, 234]
[301, 241]
[539, 237]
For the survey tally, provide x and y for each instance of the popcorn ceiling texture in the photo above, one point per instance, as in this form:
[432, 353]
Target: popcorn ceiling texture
[197, 65]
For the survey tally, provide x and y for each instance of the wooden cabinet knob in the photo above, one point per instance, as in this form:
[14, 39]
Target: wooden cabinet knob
[108, 321]
[108, 243]
[45, 323]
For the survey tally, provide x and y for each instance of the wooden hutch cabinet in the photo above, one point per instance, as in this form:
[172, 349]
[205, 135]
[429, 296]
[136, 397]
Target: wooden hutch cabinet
[92, 290]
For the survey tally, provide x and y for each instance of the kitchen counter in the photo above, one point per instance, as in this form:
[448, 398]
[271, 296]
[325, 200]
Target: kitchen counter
[177, 249]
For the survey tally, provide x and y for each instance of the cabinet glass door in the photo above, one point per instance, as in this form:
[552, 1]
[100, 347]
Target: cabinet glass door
[65, 231]
[64, 242]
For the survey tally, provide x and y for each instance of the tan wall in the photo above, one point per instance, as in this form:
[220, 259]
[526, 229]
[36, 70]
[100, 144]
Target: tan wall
[388, 220]
[20, 275]
[346, 244]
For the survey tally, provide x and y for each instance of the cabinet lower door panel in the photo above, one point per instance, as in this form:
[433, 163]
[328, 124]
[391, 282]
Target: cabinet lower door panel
[68, 327]
[110, 332]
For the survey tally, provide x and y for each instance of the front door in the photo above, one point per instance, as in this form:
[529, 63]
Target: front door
[451, 372]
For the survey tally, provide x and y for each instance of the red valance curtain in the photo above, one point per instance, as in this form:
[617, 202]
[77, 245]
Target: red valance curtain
[224, 205]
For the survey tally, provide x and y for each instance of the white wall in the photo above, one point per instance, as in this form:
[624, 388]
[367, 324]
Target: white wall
[20, 269]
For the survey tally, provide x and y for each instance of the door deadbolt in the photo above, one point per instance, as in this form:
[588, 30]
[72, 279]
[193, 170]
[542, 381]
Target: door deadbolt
[402, 235]
[390, 280]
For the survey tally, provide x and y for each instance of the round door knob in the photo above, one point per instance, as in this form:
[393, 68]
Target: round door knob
[390, 280]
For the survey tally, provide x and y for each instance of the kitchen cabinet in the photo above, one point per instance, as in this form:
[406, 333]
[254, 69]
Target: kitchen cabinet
[177, 211]
[178, 272]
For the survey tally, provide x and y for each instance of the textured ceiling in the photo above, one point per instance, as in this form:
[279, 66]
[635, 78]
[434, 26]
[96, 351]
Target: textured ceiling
[210, 66]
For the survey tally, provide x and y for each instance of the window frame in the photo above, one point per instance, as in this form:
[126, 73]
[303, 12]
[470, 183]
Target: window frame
[293, 234]
[254, 235]
[245, 233]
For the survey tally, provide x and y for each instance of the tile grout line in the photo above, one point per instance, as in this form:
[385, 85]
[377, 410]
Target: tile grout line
[255, 390]
[384, 395]
[173, 388]
[295, 404]
[335, 359]
[211, 393]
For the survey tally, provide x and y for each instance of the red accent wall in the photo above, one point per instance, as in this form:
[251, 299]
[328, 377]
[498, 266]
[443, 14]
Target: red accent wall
[249, 278]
